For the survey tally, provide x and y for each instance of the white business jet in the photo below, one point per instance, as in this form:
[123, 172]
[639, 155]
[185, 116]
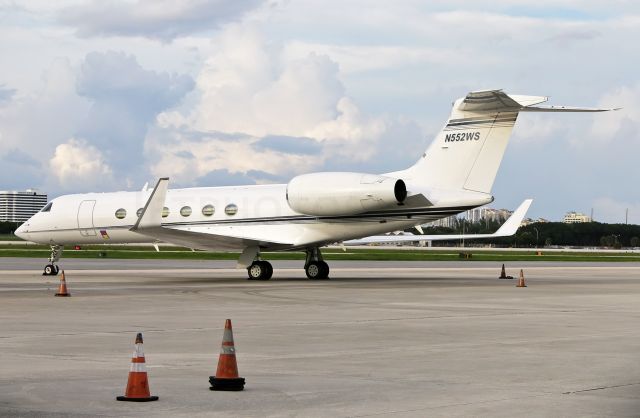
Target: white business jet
[455, 174]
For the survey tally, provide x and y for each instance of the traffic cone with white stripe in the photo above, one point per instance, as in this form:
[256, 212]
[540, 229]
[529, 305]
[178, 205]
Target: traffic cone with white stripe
[226, 377]
[138, 385]
[62, 289]
[521, 282]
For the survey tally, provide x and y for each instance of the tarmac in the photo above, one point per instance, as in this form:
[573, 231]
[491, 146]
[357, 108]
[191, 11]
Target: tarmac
[400, 339]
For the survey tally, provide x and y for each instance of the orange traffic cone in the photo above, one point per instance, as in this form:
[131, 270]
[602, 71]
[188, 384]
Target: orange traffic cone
[62, 290]
[137, 385]
[521, 280]
[226, 377]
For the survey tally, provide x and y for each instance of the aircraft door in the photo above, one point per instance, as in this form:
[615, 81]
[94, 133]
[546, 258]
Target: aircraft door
[85, 218]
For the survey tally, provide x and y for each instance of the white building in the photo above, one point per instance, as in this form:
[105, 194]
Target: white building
[483, 214]
[576, 218]
[448, 222]
[20, 206]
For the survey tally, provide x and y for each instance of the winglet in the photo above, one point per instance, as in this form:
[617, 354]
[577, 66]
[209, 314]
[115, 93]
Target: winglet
[151, 215]
[513, 223]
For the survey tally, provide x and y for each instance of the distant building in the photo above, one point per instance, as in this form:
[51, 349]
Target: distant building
[487, 214]
[529, 221]
[448, 222]
[20, 206]
[576, 218]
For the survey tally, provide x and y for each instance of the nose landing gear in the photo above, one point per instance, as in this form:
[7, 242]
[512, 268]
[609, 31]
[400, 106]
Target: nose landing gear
[52, 269]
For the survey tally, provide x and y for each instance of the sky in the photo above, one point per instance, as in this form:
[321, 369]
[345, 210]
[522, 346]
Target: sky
[103, 95]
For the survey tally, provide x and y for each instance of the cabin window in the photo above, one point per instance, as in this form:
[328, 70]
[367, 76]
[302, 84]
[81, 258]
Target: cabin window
[121, 213]
[165, 212]
[47, 208]
[185, 211]
[231, 209]
[208, 210]
[139, 212]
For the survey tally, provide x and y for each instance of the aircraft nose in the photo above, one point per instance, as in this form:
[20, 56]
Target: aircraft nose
[21, 232]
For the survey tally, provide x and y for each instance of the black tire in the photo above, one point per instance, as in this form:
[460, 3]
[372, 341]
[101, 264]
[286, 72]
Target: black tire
[49, 270]
[56, 270]
[325, 269]
[268, 270]
[317, 270]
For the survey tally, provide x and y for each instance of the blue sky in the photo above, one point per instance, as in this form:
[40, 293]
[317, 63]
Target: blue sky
[107, 95]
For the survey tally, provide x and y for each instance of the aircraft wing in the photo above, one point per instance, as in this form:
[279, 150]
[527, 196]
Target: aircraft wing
[507, 229]
[150, 224]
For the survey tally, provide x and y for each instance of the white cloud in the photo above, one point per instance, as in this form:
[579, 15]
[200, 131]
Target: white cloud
[611, 125]
[252, 88]
[158, 19]
[186, 159]
[78, 165]
[36, 121]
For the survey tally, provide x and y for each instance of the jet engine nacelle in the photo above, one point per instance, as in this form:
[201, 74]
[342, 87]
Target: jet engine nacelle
[335, 194]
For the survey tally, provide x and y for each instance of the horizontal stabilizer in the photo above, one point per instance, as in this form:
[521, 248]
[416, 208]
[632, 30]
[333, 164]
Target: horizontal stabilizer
[566, 109]
[498, 101]
[507, 229]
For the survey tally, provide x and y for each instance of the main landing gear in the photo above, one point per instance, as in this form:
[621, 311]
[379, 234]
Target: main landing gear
[315, 267]
[260, 270]
[52, 269]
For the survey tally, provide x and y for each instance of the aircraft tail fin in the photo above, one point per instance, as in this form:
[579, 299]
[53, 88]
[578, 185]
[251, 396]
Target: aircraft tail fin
[467, 152]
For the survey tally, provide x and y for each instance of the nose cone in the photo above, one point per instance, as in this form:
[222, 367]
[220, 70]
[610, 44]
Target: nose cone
[21, 232]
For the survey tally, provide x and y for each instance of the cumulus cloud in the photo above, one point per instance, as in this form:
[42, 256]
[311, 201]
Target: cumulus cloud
[38, 120]
[76, 163]
[188, 161]
[621, 123]
[125, 99]
[157, 19]
[285, 115]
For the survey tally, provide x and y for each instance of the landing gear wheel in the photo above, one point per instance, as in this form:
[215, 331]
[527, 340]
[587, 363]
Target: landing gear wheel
[317, 270]
[49, 270]
[260, 270]
[57, 270]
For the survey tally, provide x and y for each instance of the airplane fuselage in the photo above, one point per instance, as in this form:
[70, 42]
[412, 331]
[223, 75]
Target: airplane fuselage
[260, 211]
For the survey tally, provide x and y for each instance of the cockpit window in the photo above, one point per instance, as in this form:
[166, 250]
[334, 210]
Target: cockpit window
[47, 208]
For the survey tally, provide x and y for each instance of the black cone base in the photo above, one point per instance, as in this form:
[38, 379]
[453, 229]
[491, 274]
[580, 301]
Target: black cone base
[226, 384]
[506, 277]
[63, 294]
[149, 399]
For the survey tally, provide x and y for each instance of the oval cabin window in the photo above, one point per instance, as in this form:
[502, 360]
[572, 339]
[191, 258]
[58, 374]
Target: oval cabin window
[139, 212]
[185, 211]
[231, 209]
[208, 210]
[121, 213]
[165, 212]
